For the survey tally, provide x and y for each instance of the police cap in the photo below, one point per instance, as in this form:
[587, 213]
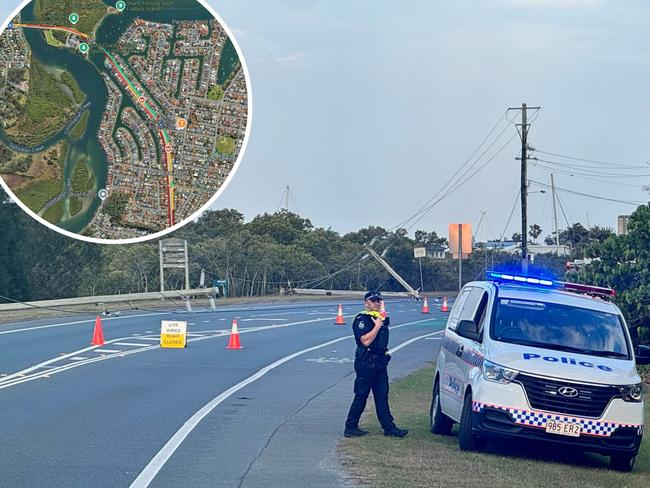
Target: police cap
[373, 296]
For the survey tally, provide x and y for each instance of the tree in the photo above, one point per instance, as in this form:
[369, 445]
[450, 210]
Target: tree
[283, 227]
[516, 237]
[623, 263]
[534, 232]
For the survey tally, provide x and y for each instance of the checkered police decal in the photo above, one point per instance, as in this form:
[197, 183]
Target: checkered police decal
[531, 418]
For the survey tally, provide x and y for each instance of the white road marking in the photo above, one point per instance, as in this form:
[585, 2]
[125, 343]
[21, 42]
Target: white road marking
[432, 338]
[132, 344]
[22, 377]
[108, 351]
[78, 358]
[155, 465]
[207, 321]
[410, 341]
[255, 319]
[89, 321]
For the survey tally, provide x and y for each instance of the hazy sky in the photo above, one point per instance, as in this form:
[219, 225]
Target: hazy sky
[365, 108]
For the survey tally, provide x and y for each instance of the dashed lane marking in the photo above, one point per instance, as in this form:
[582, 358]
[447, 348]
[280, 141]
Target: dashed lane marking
[30, 373]
[108, 351]
[131, 344]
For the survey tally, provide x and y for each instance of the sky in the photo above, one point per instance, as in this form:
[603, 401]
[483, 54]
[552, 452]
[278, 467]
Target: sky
[367, 108]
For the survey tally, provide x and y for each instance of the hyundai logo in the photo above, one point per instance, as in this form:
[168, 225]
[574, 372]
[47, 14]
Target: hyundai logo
[568, 391]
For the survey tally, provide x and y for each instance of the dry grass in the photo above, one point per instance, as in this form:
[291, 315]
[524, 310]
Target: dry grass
[422, 459]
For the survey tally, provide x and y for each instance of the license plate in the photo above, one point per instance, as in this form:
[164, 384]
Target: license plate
[563, 428]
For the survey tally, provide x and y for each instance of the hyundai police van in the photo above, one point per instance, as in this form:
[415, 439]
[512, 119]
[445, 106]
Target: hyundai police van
[524, 357]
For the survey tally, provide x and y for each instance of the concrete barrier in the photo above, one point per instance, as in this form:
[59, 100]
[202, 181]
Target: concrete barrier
[105, 299]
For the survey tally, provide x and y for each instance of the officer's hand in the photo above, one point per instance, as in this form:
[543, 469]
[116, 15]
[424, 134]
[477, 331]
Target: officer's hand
[378, 321]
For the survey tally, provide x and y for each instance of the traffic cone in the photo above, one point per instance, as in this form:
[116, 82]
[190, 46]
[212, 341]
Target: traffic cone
[382, 310]
[444, 307]
[233, 343]
[339, 317]
[425, 306]
[98, 333]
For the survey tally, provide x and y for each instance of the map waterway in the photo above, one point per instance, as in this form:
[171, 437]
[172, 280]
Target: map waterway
[87, 73]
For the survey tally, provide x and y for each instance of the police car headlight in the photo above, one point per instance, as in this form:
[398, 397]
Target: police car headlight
[497, 373]
[631, 393]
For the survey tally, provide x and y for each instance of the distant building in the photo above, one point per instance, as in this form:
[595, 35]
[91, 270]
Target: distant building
[437, 252]
[621, 228]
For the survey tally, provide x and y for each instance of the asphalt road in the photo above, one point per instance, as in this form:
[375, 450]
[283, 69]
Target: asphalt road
[132, 414]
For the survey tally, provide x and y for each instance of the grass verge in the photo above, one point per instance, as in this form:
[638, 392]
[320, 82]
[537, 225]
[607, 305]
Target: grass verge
[423, 459]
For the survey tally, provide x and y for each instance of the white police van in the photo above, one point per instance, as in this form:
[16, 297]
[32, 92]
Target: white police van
[524, 357]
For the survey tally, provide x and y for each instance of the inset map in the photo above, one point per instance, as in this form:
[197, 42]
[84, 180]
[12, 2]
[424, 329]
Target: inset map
[119, 119]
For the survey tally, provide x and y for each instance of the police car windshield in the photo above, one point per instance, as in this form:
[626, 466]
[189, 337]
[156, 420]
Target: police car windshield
[560, 327]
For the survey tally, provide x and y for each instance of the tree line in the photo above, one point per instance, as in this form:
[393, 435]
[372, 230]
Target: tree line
[285, 250]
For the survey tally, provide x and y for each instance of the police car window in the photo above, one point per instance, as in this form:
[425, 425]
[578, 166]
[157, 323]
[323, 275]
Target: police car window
[470, 307]
[457, 309]
[560, 327]
[481, 312]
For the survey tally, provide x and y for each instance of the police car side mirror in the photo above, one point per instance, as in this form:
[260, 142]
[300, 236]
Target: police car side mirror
[468, 329]
[643, 355]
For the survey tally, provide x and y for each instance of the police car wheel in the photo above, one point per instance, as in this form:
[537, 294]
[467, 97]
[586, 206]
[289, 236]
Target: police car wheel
[439, 423]
[467, 441]
[622, 462]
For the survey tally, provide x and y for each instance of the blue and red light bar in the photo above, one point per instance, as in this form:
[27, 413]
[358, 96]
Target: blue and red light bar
[546, 283]
[528, 280]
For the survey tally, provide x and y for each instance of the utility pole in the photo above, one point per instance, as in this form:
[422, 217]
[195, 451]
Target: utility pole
[557, 234]
[414, 293]
[523, 134]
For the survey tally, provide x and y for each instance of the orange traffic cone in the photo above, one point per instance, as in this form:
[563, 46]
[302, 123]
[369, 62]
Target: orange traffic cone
[233, 343]
[339, 316]
[444, 307]
[98, 333]
[425, 306]
[382, 310]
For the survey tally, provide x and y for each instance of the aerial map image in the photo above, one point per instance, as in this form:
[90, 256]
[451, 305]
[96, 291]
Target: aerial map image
[119, 119]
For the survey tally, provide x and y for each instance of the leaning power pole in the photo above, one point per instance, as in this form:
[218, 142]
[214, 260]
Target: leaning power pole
[523, 134]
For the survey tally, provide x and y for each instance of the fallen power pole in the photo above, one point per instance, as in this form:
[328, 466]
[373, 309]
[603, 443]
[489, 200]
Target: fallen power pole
[413, 292]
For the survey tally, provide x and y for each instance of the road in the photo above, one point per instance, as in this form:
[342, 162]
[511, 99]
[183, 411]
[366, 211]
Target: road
[131, 414]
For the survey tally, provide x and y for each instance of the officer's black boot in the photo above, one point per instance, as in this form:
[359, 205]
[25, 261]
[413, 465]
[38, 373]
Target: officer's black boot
[395, 431]
[354, 432]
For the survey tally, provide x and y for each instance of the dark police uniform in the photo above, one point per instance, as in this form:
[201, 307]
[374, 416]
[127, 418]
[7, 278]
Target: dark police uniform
[370, 365]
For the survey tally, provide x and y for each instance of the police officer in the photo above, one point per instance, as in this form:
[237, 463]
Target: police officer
[370, 363]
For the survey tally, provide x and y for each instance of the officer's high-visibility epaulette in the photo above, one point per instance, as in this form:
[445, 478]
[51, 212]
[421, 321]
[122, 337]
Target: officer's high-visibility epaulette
[372, 313]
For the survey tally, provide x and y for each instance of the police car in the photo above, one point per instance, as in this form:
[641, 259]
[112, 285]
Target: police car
[525, 357]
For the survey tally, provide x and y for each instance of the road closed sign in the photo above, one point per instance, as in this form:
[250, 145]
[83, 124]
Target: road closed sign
[173, 333]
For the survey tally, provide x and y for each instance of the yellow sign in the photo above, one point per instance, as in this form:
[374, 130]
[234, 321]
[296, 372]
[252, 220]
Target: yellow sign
[173, 333]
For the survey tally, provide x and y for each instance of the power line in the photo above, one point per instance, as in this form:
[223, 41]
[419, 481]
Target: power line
[594, 161]
[597, 197]
[592, 172]
[581, 176]
[461, 182]
[426, 205]
[512, 212]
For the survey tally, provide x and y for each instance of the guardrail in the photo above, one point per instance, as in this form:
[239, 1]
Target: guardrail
[101, 300]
